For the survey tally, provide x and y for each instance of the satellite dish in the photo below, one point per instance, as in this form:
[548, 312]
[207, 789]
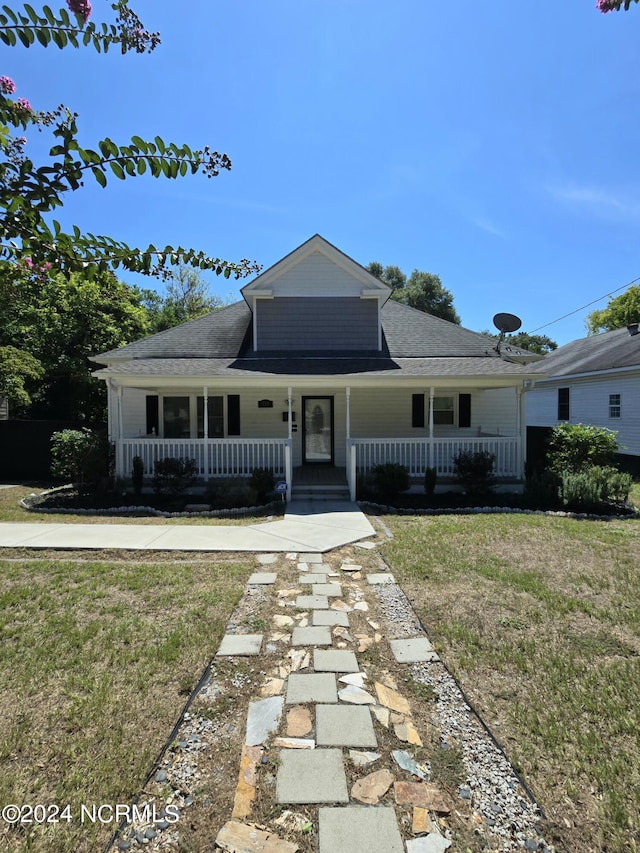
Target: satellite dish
[507, 323]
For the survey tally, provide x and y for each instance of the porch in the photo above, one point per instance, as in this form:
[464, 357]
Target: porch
[230, 457]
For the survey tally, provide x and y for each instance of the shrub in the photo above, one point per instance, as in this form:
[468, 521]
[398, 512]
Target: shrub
[230, 492]
[173, 476]
[593, 487]
[541, 489]
[430, 479]
[137, 474]
[262, 483]
[574, 447]
[390, 479]
[474, 470]
[79, 455]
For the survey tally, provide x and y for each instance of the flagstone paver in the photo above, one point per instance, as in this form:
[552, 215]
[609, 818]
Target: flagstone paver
[332, 590]
[334, 660]
[314, 776]
[263, 578]
[312, 577]
[311, 602]
[240, 644]
[263, 719]
[359, 829]
[344, 725]
[375, 579]
[319, 635]
[330, 617]
[312, 687]
[413, 650]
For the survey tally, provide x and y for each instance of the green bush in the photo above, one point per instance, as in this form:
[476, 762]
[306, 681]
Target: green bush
[430, 479]
[262, 483]
[230, 493]
[592, 488]
[173, 476]
[474, 470]
[390, 479]
[137, 474]
[541, 490]
[574, 447]
[79, 455]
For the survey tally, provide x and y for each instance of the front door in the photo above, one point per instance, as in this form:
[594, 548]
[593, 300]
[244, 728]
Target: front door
[317, 427]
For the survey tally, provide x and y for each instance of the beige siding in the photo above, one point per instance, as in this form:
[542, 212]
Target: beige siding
[495, 412]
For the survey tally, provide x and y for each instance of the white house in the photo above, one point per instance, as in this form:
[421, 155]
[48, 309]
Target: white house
[594, 380]
[316, 373]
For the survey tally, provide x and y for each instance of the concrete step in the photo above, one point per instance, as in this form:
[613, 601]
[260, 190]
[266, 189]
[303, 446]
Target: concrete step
[320, 493]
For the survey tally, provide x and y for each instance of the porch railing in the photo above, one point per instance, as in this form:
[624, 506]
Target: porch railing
[420, 453]
[213, 457]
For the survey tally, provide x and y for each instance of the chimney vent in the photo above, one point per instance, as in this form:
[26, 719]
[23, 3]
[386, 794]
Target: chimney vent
[632, 328]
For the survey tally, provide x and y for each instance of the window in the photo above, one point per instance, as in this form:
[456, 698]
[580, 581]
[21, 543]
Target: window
[563, 404]
[215, 417]
[614, 405]
[417, 410]
[175, 417]
[443, 412]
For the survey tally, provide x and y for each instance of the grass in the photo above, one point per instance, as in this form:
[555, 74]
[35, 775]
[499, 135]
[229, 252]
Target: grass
[539, 619]
[96, 662]
[10, 510]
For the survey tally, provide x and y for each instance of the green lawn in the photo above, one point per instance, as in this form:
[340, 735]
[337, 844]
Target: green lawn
[539, 619]
[96, 662]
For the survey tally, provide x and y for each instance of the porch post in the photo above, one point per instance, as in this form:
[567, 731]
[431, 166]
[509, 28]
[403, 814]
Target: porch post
[205, 433]
[119, 432]
[431, 453]
[351, 475]
[522, 418]
[288, 453]
[348, 412]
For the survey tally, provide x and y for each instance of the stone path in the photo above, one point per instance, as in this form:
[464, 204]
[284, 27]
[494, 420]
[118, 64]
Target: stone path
[334, 736]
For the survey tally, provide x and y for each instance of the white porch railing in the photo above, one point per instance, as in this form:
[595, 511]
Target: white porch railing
[221, 457]
[420, 453]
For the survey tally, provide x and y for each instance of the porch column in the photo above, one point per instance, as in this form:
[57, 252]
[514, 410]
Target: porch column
[348, 413]
[522, 418]
[120, 472]
[205, 433]
[289, 449]
[431, 456]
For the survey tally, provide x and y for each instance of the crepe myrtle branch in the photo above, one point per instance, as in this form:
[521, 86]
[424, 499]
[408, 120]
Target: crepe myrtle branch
[614, 5]
[28, 26]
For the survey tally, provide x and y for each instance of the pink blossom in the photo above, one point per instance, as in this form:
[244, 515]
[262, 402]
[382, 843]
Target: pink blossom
[28, 263]
[82, 8]
[24, 105]
[7, 86]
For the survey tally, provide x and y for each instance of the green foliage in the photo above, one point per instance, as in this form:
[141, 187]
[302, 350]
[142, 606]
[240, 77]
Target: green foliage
[540, 344]
[621, 311]
[230, 493]
[137, 474]
[474, 470]
[78, 455]
[187, 298]
[430, 479]
[16, 367]
[591, 488]
[30, 193]
[61, 322]
[574, 447]
[541, 489]
[262, 483]
[423, 291]
[389, 479]
[173, 476]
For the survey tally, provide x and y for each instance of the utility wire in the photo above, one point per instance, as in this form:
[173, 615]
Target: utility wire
[588, 305]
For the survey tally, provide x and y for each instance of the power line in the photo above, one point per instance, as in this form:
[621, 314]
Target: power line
[588, 305]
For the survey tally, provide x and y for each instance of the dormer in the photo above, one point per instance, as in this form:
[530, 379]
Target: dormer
[316, 299]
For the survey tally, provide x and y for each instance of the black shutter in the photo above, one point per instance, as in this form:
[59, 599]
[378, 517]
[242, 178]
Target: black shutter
[153, 417]
[233, 414]
[417, 410]
[464, 410]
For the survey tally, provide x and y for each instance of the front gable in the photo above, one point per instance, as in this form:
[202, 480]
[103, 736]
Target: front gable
[316, 299]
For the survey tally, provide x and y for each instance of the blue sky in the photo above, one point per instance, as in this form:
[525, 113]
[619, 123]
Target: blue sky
[493, 143]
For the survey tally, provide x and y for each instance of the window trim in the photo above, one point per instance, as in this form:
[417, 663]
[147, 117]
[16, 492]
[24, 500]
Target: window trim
[564, 404]
[615, 408]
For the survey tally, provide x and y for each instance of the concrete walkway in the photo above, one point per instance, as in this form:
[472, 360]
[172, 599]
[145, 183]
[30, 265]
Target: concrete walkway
[307, 526]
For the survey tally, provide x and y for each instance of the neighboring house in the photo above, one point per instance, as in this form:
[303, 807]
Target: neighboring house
[316, 372]
[594, 380]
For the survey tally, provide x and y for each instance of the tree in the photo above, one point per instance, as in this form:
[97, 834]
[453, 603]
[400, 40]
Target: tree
[423, 290]
[540, 344]
[614, 5]
[29, 193]
[17, 366]
[187, 298]
[621, 311]
[60, 321]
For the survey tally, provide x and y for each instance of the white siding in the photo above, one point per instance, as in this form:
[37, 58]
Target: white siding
[317, 275]
[589, 404]
[134, 413]
[495, 411]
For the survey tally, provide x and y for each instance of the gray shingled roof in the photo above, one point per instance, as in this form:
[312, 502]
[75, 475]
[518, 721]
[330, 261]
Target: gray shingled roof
[226, 333]
[347, 367]
[607, 351]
